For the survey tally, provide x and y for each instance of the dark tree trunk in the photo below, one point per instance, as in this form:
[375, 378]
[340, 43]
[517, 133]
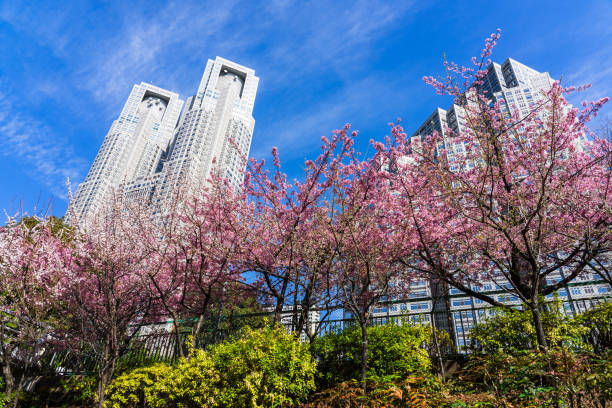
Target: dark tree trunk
[364, 355]
[196, 333]
[539, 328]
[177, 335]
[278, 311]
[9, 379]
[106, 374]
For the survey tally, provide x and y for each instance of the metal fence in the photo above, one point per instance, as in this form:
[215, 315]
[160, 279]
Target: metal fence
[161, 344]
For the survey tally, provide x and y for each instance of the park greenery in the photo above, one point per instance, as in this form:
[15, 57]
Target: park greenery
[515, 197]
[270, 367]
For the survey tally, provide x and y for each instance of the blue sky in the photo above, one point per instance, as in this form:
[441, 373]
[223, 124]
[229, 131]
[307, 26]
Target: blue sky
[66, 68]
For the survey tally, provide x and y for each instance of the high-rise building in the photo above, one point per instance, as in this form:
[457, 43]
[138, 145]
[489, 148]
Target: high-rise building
[134, 145]
[153, 146]
[515, 86]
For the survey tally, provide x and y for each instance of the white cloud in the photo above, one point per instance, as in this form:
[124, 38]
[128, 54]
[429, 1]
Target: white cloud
[47, 157]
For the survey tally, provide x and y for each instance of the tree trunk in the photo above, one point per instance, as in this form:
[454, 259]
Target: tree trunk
[18, 390]
[364, 355]
[103, 381]
[106, 375]
[9, 379]
[437, 346]
[177, 335]
[278, 311]
[539, 328]
[195, 334]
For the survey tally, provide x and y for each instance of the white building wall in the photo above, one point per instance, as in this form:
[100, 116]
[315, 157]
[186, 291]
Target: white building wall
[153, 145]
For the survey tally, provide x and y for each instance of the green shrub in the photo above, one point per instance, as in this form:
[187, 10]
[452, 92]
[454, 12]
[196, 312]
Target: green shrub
[135, 388]
[559, 378]
[512, 331]
[263, 368]
[598, 323]
[192, 383]
[393, 351]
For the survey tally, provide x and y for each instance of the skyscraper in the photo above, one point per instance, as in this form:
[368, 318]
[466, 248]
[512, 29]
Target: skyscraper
[515, 85]
[152, 146]
[133, 147]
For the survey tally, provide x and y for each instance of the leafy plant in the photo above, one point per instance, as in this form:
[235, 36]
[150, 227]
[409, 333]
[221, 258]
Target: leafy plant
[598, 322]
[511, 331]
[135, 388]
[394, 350]
[268, 367]
[263, 368]
[382, 392]
[559, 378]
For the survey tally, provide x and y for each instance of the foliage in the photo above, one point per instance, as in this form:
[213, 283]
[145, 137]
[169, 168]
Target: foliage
[82, 388]
[64, 391]
[598, 322]
[4, 399]
[512, 330]
[394, 350]
[560, 378]
[157, 385]
[381, 392]
[263, 368]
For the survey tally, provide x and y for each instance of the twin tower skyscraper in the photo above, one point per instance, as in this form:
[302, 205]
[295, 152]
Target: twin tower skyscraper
[159, 141]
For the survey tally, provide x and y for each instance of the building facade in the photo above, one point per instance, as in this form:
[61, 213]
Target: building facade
[158, 141]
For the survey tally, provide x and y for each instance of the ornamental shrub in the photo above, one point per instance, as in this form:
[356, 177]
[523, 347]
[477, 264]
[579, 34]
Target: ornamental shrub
[192, 383]
[560, 378]
[262, 368]
[598, 323]
[268, 367]
[135, 388]
[513, 331]
[393, 351]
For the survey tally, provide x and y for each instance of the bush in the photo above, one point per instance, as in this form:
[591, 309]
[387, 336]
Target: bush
[406, 393]
[560, 378]
[512, 331]
[59, 391]
[598, 323]
[393, 350]
[263, 368]
[135, 388]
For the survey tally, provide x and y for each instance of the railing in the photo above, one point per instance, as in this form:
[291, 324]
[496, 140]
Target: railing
[161, 345]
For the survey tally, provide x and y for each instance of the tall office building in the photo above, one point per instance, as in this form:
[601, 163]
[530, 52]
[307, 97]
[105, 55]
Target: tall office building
[153, 146]
[133, 146]
[515, 86]
[217, 124]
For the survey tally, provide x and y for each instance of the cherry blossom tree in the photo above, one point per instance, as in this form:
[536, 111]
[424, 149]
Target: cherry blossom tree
[282, 218]
[197, 248]
[30, 259]
[602, 264]
[362, 229]
[512, 198]
[103, 285]
[313, 281]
